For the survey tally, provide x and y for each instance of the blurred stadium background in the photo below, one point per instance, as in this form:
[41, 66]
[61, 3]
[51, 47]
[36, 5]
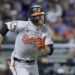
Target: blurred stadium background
[60, 17]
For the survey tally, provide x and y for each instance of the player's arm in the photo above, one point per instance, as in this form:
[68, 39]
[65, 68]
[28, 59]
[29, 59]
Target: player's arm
[8, 26]
[3, 32]
[47, 44]
[15, 26]
[49, 49]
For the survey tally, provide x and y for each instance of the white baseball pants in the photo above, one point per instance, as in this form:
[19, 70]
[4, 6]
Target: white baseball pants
[22, 68]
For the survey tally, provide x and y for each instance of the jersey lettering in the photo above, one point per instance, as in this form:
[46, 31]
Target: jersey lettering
[32, 40]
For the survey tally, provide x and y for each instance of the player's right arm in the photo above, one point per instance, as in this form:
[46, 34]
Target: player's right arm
[15, 26]
[5, 28]
[3, 32]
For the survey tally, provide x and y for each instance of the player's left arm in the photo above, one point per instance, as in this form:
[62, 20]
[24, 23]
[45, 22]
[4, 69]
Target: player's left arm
[48, 45]
[49, 49]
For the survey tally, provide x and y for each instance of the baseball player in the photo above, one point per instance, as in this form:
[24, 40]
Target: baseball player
[34, 38]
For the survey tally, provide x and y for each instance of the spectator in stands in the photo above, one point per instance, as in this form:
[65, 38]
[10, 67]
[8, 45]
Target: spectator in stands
[6, 9]
[53, 14]
[21, 15]
[17, 6]
[56, 35]
[68, 17]
[13, 14]
[61, 26]
[26, 5]
[65, 6]
[69, 33]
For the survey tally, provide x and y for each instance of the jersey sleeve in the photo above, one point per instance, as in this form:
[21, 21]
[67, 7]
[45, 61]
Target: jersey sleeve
[48, 38]
[16, 26]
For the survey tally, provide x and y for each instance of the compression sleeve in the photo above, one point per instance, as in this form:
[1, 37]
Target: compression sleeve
[4, 30]
[51, 49]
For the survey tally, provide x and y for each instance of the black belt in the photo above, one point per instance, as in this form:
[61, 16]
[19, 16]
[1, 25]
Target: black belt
[27, 61]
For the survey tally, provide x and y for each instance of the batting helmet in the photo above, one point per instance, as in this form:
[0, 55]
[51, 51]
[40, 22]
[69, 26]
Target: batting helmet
[35, 10]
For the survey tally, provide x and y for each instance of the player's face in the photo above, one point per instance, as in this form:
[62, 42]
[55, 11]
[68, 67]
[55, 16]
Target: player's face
[41, 19]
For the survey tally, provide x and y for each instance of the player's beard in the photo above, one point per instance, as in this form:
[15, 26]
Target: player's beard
[40, 23]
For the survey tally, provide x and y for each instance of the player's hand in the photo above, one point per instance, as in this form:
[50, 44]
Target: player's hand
[40, 42]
